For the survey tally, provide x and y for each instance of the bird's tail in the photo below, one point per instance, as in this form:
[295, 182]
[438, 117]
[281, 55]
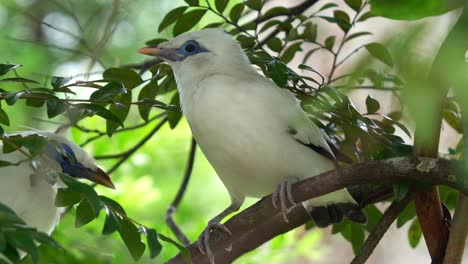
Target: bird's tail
[364, 195]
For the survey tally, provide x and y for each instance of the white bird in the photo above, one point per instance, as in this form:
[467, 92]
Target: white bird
[255, 134]
[29, 189]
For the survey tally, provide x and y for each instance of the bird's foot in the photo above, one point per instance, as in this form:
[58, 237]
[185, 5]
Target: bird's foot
[283, 194]
[204, 238]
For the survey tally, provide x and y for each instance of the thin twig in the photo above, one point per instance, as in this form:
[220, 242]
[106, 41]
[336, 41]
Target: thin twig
[180, 193]
[129, 152]
[380, 229]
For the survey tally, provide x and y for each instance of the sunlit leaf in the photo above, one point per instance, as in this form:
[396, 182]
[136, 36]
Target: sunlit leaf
[170, 18]
[188, 20]
[236, 12]
[254, 4]
[221, 5]
[414, 233]
[380, 52]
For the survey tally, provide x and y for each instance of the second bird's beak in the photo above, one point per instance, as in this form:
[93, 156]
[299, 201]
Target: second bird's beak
[101, 177]
[165, 54]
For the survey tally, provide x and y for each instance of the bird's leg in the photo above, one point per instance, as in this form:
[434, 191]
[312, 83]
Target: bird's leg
[282, 194]
[215, 223]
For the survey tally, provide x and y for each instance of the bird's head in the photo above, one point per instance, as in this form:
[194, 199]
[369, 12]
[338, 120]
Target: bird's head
[74, 160]
[201, 53]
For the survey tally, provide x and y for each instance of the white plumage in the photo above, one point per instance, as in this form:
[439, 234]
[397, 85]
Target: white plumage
[30, 190]
[255, 134]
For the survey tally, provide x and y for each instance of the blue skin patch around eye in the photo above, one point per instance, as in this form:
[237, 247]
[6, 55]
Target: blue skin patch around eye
[189, 48]
[68, 161]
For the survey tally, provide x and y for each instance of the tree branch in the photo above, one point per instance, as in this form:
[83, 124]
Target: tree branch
[175, 203]
[261, 222]
[380, 229]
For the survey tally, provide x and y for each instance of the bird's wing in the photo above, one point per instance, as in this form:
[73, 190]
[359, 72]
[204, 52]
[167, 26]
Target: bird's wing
[303, 129]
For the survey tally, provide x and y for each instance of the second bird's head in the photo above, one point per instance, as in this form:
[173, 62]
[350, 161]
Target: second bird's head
[73, 160]
[199, 53]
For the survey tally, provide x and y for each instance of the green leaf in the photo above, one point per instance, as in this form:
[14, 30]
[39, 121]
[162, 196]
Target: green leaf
[66, 197]
[152, 239]
[254, 4]
[84, 213]
[148, 91]
[111, 224]
[357, 34]
[330, 42]
[120, 110]
[214, 25]
[4, 68]
[58, 82]
[354, 233]
[183, 250]
[276, 11]
[269, 24]
[33, 143]
[407, 214]
[308, 54]
[289, 53]
[380, 52]
[23, 240]
[236, 12]
[175, 116]
[128, 77]
[400, 190]
[246, 41]
[354, 4]
[155, 41]
[170, 18]
[109, 91]
[373, 216]
[55, 107]
[4, 117]
[85, 190]
[18, 79]
[365, 16]
[327, 6]
[12, 97]
[372, 105]
[310, 32]
[343, 20]
[453, 120]
[275, 44]
[221, 5]
[414, 233]
[188, 20]
[94, 109]
[132, 239]
[278, 72]
[192, 2]
[412, 9]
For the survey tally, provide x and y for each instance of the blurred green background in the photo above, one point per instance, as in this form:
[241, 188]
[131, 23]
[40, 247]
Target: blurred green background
[148, 181]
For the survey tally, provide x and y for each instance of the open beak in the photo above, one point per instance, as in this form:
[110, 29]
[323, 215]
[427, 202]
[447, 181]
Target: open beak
[100, 177]
[165, 54]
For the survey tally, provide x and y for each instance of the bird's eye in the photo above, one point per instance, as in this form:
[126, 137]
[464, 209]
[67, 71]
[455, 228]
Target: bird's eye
[190, 48]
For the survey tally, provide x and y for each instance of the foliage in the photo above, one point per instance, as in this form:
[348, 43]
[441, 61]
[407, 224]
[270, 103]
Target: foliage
[273, 38]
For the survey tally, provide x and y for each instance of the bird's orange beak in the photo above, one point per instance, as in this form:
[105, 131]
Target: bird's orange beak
[101, 177]
[165, 54]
